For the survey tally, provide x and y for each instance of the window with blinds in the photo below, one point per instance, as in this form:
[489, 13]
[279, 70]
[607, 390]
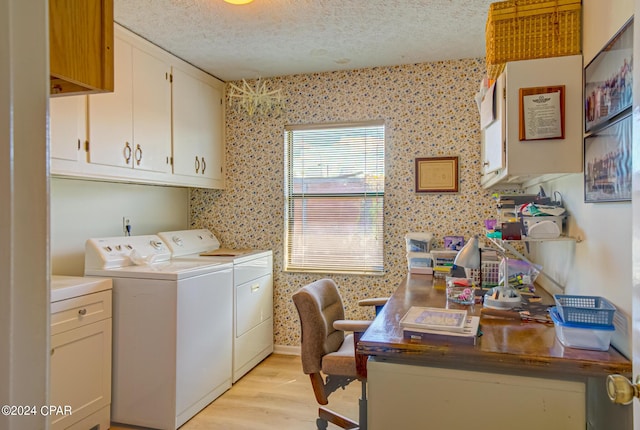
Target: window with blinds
[334, 195]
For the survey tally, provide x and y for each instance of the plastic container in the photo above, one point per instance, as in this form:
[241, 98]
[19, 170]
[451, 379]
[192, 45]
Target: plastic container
[582, 336]
[420, 263]
[529, 221]
[443, 257]
[443, 262]
[460, 290]
[418, 242]
[490, 273]
[592, 310]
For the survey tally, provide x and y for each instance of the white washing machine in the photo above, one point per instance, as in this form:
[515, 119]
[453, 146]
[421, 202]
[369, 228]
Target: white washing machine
[172, 329]
[253, 292]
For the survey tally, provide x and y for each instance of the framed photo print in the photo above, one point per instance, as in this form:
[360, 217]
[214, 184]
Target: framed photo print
[607, 163]
[608, 80]
[437, 175]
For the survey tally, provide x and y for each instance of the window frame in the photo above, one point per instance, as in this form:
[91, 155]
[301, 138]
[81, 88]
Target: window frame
[376, 196]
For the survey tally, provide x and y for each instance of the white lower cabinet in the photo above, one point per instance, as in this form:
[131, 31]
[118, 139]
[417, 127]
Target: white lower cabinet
[411, 396]
[80, 364]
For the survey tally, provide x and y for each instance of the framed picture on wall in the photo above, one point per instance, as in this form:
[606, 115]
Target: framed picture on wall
[608, 80]
[437, 175]
[607, 163]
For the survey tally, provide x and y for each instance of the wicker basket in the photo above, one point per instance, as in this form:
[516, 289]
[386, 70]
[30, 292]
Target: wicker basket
[526, 29]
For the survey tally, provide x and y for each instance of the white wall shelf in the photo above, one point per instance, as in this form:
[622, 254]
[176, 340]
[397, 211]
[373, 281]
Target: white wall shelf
[506, 247]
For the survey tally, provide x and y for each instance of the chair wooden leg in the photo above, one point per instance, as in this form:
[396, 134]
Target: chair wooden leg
[337, 419]
[318, 388]
[361, 360]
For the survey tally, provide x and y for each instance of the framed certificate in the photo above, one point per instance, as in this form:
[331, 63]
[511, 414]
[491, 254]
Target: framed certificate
[437, 175]
[541, 112]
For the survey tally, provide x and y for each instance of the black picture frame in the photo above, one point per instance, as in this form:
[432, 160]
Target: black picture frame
[607, 163]
[608, 80]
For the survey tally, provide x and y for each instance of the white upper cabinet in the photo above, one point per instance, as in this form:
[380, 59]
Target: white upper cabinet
[68, 130]
[198, 135]
[151, 112]
[131, 127]
[508, 160]
[150, 129]
[111, 114]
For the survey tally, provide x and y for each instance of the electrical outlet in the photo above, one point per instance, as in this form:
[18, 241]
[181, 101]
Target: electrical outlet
[126, 225]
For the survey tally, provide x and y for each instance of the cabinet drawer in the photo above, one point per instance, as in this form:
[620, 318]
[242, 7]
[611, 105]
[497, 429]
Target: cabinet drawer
[254, 303]
[78, 311]
[253, 269]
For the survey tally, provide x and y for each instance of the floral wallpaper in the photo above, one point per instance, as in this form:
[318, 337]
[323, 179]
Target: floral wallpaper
[428, 109]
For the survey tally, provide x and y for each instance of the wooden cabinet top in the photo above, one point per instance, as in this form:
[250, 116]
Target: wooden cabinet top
[505, 345]
[81, 46]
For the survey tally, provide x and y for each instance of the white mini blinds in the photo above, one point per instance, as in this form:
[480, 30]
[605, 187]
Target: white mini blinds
[334, 195]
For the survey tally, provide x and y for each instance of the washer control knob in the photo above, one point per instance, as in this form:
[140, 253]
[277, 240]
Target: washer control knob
[156, 244]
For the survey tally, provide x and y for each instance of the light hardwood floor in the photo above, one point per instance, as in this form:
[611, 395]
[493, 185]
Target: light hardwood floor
[274, 395]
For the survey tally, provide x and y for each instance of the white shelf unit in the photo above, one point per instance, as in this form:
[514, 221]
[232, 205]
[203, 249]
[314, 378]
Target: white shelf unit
[506, 247]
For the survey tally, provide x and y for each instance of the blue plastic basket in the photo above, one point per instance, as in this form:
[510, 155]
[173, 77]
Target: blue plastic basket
[591, 310]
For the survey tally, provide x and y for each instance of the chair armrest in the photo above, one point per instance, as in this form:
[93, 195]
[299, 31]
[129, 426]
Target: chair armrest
[351, 325]
[376, 301]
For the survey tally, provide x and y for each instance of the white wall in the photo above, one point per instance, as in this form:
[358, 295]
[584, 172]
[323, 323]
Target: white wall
[24, 251]
[86, 209]
[601, 20]
[600, 264]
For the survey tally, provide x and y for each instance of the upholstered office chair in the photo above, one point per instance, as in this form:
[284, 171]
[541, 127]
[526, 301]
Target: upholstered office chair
[328, 355]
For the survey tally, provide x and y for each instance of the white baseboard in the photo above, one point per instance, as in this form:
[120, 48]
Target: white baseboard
[286, 350]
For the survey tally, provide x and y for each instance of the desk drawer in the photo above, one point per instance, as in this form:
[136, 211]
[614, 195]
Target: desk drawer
[79, 311]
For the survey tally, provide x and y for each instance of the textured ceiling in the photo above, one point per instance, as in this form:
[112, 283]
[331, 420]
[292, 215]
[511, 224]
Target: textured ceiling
[281, 37]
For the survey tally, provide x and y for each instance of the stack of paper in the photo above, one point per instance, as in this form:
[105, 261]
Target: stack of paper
[438, 325]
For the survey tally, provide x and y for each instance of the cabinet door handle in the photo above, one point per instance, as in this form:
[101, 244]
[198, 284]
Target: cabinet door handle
[138, 154]
[255, 287]
[204, 165]
[82, 312]
[127, 152]
[197, 164]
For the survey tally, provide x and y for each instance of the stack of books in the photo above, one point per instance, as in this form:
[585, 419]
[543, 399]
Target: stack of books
[437, 325]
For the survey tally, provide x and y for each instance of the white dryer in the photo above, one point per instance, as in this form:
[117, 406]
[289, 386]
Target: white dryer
[172, 329]
[253, 292]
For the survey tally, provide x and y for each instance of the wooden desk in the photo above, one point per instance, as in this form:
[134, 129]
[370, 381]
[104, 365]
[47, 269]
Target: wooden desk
[518, 375]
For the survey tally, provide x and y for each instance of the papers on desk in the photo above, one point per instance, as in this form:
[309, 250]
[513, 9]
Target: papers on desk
[434, 318]
[436, 325]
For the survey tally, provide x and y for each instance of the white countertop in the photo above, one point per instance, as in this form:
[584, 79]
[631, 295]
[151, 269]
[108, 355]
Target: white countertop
[66, 287]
